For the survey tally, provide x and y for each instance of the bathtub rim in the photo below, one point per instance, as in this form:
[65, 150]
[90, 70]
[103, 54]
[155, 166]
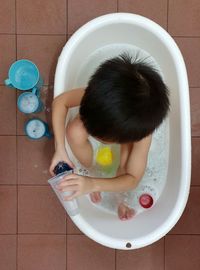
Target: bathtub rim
[173, 49]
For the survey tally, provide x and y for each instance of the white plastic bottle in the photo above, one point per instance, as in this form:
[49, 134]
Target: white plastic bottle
[70, 206]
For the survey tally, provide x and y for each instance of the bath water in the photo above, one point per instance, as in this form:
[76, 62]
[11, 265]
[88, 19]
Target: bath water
[90, 64]
[155, 176]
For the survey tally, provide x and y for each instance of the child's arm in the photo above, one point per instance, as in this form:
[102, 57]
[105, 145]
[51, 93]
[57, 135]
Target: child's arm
[60, 107]
[134, 171]
[59, 112]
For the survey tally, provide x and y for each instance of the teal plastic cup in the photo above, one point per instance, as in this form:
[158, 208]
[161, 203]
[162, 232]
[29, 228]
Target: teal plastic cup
[24, 75]
[30, 102]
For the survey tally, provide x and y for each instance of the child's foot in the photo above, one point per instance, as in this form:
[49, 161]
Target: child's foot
[124, 212]
[95, 197]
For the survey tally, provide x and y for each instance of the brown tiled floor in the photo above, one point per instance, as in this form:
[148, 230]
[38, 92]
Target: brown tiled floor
[34, 235]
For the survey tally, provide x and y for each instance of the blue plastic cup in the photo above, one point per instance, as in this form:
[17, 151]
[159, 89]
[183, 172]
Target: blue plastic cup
[30, 102]
[24, 75]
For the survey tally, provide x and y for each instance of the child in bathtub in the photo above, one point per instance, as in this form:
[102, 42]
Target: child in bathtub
[124, 102]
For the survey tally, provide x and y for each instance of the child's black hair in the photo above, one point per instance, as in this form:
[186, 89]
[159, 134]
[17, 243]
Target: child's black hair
[124, 101]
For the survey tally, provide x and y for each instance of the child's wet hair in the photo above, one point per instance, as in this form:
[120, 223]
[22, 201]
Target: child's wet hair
[125, 100]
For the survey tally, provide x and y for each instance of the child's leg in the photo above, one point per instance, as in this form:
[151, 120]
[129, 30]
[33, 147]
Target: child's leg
[122, 200]
[95, 197]
[124, 211]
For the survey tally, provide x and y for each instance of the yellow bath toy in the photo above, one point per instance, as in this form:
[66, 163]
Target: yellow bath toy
[104, 156]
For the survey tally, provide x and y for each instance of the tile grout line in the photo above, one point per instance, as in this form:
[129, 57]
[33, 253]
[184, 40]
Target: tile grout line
[66, 18]
[164, 253]
[168, 16]
[115, 259]
[73, 234]
[28, 233]
[66, 235]
[17, 196]
[66, 251]
[186, 36]
[11, 34]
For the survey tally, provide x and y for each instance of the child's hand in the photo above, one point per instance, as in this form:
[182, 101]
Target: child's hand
[59, 155]
[77, 183]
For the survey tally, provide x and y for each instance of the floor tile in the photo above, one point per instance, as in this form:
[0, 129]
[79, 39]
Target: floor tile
[189, 222]
[42, 29]
[85, 254]
[7, 54]
[82, 11]
[187, 25]
[7, 111]
[41, 17]
[8, 252]
[46, 95]
[43, 51]
[8, 170]
[150, 257]
[39, 211]
[195, 110]
[71, 227]
[8, 210]
[155, 10]
[41, 252]
[7, 17]
[195, 161]
[190, 48]
[34, 158]
[182, 252]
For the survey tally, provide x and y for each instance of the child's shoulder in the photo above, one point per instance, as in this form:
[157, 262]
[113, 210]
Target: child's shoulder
[71, 98]
[76, 130]
[142, 145]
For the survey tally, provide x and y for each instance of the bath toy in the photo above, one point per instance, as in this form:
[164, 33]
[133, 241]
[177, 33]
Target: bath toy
[29, 102]
[146, 201]
[104, 156]
[24, 75]
[62, 167]
[36, 129]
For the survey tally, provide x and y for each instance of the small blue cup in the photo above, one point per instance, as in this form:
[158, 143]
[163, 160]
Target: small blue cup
[36, 129]
[24, 75]
[30, 102]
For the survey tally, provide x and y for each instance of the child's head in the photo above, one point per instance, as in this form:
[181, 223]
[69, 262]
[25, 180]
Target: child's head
[124, 101]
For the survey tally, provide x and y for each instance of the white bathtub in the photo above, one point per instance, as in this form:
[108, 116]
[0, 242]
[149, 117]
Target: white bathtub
[153, 224]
